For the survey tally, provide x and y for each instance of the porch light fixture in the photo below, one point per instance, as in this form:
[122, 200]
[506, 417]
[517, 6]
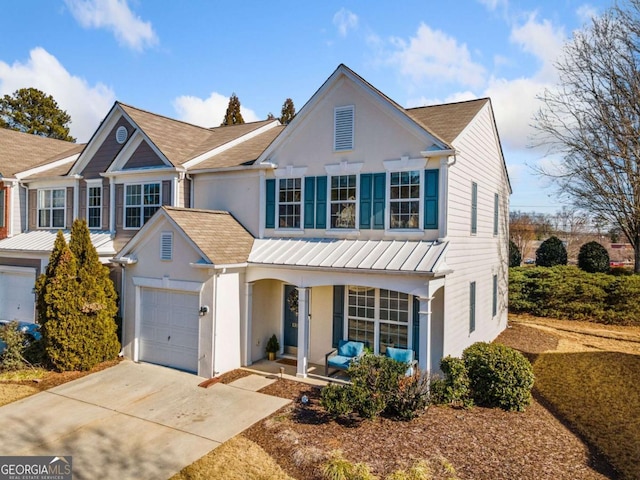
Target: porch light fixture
[204, 310]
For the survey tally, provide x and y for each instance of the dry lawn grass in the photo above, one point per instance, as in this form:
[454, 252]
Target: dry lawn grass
[12, 393]
[591, 380]
[237, 459]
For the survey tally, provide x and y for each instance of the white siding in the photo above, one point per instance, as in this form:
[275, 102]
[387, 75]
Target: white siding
[476, 257]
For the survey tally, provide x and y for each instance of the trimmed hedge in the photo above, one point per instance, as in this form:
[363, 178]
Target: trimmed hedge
[551, 252]
[566, 292]
[593, 258]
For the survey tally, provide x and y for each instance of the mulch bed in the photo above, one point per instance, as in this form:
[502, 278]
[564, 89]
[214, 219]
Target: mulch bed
[480, 443]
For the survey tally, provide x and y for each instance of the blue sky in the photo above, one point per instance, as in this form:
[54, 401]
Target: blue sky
[184, 58]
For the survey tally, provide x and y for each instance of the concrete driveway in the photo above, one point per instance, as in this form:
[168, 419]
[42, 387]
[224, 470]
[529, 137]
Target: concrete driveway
[131, 421]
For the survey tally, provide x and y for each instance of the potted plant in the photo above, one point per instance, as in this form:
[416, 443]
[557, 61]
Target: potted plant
[272, 347]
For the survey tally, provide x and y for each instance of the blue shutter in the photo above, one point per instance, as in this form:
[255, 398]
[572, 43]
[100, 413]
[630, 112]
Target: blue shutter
[496, 205]
[472, 307]
[270, 204]
[431, 199]
[379, 185]
[338, 314]
[365, 200]
[495, 296]
[474, 207]
[309, 201]
[321, 202]
[416, 327]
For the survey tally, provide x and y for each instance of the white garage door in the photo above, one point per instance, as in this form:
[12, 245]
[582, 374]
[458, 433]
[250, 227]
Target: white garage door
[169, 328]
[17, 300]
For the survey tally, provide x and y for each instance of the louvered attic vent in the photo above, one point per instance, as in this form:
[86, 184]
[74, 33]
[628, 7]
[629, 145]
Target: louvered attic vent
[166, 246]
[343, 123]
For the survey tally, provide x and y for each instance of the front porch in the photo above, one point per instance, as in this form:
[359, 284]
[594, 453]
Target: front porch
[309, 321]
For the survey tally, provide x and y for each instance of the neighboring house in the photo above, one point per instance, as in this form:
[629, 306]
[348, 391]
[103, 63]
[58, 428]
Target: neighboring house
[360, 219]
[24, 156]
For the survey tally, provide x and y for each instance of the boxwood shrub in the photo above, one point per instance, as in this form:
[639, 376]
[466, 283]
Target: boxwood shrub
[499, 376]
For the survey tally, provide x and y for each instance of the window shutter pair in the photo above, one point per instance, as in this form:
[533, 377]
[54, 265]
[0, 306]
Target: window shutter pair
[314, 204]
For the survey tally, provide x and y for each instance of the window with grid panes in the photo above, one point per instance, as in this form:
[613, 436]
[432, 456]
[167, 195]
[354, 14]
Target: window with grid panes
[379, 318]
[94, 207]
[289, 202]
[404, 199]
[343, 201]
[51, 208]
[141, 202]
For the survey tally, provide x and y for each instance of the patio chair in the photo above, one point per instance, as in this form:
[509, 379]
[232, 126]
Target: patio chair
[403, 355]
[342, 357]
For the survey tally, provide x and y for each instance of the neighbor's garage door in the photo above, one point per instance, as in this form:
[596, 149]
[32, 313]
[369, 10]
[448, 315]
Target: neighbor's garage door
[169, 328]
[17, 300]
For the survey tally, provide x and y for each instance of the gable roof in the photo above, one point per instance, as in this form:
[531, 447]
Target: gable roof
[23, 151]
[449, 119]
[245, 153]
[179, 141]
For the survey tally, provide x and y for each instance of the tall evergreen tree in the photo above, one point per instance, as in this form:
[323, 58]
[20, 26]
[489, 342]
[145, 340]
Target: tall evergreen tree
[288, 112]
[30, 110]
[233, 115]
[44, 280]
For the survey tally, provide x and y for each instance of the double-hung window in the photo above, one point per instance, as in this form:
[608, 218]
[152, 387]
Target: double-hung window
[289, 202]
[343, 201]
[378, 317]
[141, 202]
[51, 208]
[94, 206]
[404, 199]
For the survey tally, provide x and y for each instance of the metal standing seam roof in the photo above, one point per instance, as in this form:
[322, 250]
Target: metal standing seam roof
[370, 255]
[41, 241]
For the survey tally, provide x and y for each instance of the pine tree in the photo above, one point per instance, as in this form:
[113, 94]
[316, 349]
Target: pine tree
[233, 115]
[43, 281]
[97, 293]
[32, 111]
[288, 112]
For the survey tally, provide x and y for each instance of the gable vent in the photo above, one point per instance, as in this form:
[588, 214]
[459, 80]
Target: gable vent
[166, 246]
[121, 135]
[343, 133]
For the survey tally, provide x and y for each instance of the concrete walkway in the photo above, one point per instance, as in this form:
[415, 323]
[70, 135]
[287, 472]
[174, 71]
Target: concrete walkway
[131, 421]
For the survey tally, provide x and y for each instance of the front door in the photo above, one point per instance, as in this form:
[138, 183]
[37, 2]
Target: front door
[290, 319]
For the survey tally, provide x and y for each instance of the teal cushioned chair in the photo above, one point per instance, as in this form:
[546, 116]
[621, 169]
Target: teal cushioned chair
[341, 358]
[403, 355]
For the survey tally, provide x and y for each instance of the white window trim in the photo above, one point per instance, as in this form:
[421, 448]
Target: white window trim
[419, 230]
[64, 209]
[95, 184]
[376, 320]
[124, 203]
[343, 168]
[356, 228]
[293, 230]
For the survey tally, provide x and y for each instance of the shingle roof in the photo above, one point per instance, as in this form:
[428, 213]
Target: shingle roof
[180, 141]
[245, 153]
[216, 233]
[369, 255]
[23, 151]
[449, 119]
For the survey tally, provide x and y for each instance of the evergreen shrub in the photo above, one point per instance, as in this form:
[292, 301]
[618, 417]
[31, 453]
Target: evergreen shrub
[454, 389]
[12, 358]
[551, 252]
[593, 258]
[515, 257]
[499, 376]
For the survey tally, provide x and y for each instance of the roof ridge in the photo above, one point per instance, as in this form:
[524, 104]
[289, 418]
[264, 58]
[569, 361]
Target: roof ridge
[450, 103]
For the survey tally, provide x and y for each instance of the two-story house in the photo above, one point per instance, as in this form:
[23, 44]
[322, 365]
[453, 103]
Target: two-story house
[360, 220]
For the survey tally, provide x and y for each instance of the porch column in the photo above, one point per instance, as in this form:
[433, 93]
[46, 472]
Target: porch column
[425, 333]
[248, 323]
[303, 331]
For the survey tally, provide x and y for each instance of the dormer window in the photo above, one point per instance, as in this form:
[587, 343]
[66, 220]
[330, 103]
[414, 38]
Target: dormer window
[343, 128]
[141, 202]
[51, 208]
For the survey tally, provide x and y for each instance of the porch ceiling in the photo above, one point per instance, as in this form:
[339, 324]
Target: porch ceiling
[370, 255]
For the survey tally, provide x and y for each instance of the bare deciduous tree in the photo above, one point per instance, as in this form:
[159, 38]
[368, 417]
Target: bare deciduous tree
[592, 120]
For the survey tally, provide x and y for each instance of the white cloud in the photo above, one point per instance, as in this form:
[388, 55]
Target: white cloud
[493, 4]
[586, 12]
[345, 20]
[86, 104]
[541, 39]
[116, 16]
[207, 112]
[432, 55]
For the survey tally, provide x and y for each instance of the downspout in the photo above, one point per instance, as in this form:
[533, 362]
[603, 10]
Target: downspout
[214, 311]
